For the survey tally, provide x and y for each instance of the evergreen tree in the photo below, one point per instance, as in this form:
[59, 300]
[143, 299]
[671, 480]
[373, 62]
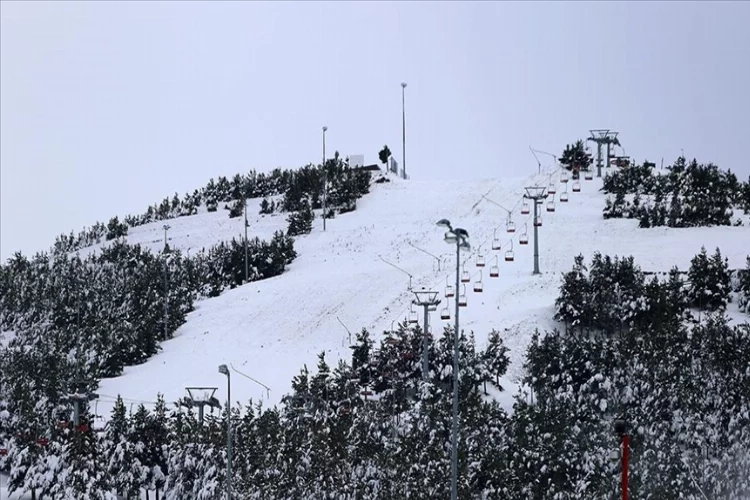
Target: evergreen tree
[301, 222]
[495, 357]
[744, 287]
[710, 281]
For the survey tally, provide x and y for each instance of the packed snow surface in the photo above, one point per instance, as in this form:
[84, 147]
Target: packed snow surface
[344, 278]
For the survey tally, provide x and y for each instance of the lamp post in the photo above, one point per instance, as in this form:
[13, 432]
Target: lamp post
[166, 295]
[225, 371]
[537, 194]
[325, 177]
[403, 124]
[461, 239]
[246, 226]
[426, 299]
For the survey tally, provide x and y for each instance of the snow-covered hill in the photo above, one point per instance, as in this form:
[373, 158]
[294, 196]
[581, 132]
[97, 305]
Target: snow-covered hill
[269, 329]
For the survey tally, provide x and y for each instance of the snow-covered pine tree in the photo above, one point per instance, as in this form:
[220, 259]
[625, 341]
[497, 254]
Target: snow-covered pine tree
[125, 471]
[495, 357]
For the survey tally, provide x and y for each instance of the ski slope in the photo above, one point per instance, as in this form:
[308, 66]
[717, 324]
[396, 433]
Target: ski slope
[269, 329]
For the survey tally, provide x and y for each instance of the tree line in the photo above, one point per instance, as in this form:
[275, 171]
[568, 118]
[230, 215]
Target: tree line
[370, 427]
[292, 187]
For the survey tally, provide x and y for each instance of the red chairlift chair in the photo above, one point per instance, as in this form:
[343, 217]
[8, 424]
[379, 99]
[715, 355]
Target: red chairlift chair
[524, 238]
[413, 316]
[495, 270]
[509, 254]
[480, 258]
[495, 241]
[449, 291]
[525, 210]
[564, 195]
[462, 298]
[478, 285]
[445, 312]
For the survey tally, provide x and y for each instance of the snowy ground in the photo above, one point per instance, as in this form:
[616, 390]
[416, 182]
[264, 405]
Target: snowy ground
[269, 329]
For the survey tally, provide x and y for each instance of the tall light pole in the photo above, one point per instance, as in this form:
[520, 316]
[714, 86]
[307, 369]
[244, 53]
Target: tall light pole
[246, 226]
[537, 194]
[426, 299]
[461, 239]
[166, 294]
[225, 371]
[403, 124]
[325, 177]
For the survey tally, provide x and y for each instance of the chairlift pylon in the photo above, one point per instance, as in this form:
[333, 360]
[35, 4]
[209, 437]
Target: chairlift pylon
[462, 302]
[478, 285]
[509, 253]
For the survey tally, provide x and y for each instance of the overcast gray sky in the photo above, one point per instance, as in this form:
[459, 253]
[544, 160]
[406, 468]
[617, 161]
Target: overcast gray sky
[108, 107]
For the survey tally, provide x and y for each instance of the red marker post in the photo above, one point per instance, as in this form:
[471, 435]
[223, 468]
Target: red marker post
[621, 430]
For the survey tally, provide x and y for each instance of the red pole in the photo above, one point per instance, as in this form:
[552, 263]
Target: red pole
[625, 456]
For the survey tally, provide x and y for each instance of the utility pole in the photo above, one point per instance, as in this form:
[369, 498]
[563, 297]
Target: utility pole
[426, 299]
[602, 136]
[537, 194]
[403, 124]
[325, 177]
[166, 291]
[246, 225]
